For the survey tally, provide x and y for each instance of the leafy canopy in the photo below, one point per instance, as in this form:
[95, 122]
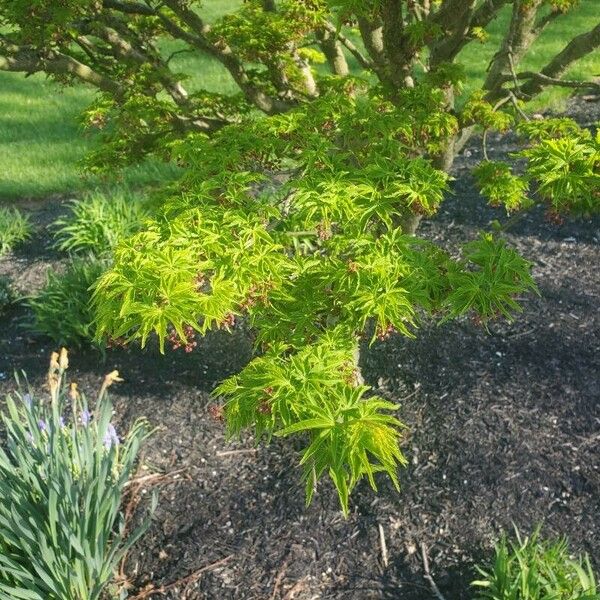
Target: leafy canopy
[303, 189]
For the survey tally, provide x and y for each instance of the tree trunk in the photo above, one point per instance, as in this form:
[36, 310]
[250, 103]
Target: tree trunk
[332, 50]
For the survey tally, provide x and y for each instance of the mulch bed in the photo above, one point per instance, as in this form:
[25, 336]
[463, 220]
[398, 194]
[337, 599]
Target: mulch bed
[503, 428]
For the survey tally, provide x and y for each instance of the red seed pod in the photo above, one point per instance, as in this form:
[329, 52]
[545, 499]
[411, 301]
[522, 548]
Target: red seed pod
[264, 408]
[216, 412]
[554, 217]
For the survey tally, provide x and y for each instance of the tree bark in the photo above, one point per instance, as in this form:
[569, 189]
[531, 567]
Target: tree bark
[26, 61]
[521, 34]
[577, 48]
[333, 52]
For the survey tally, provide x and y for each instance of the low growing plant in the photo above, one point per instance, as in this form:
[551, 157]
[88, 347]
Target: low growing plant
[529, 568]
[7, 294]
[15, 227]
[98, 221]
[62, 308]
[63, 470]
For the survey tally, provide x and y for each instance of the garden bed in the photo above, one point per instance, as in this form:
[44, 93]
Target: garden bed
[503, 427]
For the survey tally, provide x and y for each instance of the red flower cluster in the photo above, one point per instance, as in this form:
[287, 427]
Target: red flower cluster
[188, 344]
[384, 334]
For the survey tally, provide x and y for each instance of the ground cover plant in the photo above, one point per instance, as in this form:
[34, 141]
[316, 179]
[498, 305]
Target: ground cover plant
[531, 568]
[61, 310]
[14, 228]
[327, 256]
[99, 220]
[63, 472]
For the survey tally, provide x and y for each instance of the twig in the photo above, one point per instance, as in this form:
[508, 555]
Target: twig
[417, 388]
[153, 477]
[427, 576]
[279, 578]
[515, 103]
[521, 334]
[297, 587]
[570, 83]
[134, 497]
[185, 581]
[236, 452]
[484, 144]
[383, 545]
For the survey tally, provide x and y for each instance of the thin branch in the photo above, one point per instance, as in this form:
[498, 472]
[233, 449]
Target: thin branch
[519, 37]
[544, 80]
[185, 581]
[364, 61]
[222, 52]
[132, 8]
[427, 575]
[576, 49]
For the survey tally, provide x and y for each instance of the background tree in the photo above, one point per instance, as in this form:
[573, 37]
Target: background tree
[303, 192]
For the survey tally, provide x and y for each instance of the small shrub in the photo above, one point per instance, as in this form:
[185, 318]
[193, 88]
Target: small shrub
[99, 221]
[62, 477]
[62, 309]
[15, 227]
[7, 294]
[533, 569]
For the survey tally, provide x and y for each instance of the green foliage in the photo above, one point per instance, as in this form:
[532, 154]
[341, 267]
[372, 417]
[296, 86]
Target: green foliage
[315, 392]
[540, 129]
[529, 568]
[312, 264]
[477, 111]
[566, 171]
[301, 192]
[99, 221]
[264, 36]
[498, 184]
[62, 308]
[490, 281]
[14, 228]
[7, 294]
[62, 478]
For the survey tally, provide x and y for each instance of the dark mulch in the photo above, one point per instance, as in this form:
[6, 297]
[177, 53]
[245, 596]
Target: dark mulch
[503, 427]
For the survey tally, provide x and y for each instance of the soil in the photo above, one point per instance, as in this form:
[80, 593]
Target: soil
[503, 428]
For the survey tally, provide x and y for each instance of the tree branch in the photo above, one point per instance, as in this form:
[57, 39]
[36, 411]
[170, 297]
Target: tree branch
[371, 32]
[223, 53]
[114, 33]
[364, 61]
[457, 25]
[576, 49]
[540, 80]
[132, 8]
[398, 50]
[26, 60]
[518, 39]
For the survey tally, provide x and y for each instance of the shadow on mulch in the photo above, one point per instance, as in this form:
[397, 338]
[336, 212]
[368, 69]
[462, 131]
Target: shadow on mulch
[503, 428]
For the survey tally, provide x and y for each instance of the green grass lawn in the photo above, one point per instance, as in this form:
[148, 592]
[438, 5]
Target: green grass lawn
[41, 141]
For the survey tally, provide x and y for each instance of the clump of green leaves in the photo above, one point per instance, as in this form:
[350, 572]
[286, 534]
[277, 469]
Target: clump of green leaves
[15, 227]
[63, 470]
[530, 568]
[97, 222]
[315, 392]
[566, 171]
[477, 111]
[62, 308]
[500, 186]
[312, 265]
[7, 294]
